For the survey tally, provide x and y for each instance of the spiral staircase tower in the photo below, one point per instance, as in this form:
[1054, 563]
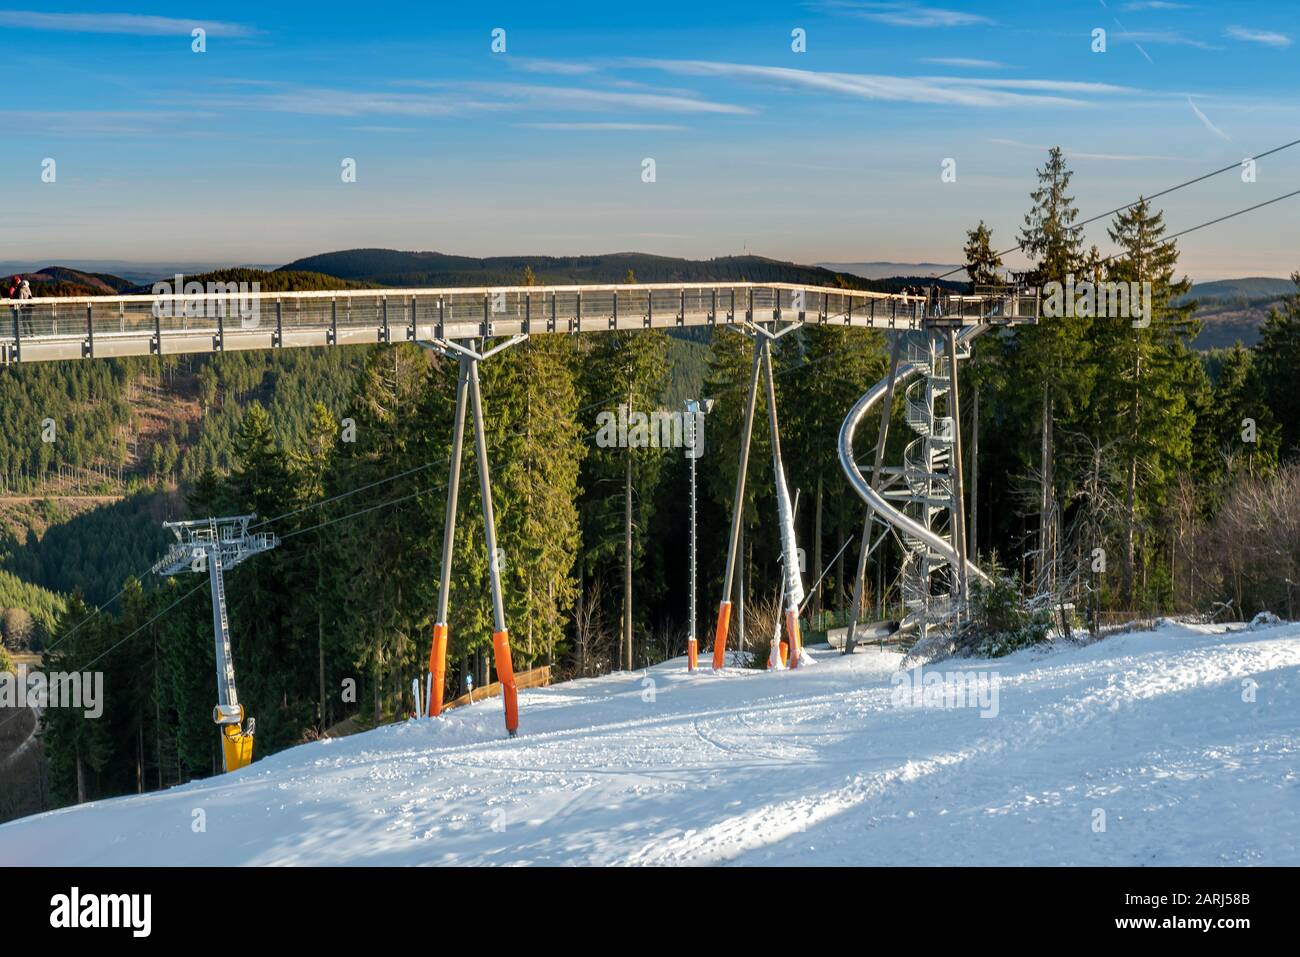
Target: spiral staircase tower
[927, 492]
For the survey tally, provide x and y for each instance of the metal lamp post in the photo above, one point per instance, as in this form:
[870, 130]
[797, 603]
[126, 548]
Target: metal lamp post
[695, 409]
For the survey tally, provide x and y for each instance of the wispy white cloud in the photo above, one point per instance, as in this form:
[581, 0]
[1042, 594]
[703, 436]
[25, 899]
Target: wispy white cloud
[129, 23]
[1138, 5]
[961, 61]
[454, 99]
[905, 14]
[557, 67]
[596, 127]
[1164, 38]
[960, 91]
[1205, 121]
[566, 97]
[317, 101]
[1267, 37]
[1053, 86]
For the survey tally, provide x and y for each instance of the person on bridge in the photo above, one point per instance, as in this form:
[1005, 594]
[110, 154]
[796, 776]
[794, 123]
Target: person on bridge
[19, 288]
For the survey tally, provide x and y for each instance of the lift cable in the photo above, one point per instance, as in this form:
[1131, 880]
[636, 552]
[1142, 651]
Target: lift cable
[1212, 222]
[1164, 192]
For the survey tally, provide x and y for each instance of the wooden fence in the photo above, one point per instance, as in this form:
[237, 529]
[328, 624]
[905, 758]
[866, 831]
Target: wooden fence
[533, 678]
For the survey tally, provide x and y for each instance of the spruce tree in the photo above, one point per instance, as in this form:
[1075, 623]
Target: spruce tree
[1277, 357]
[1235, 431]
[316, 574]
[983, 264]
[1145, 370]
[388, 554]
[77, 747]
[623, 376]
[535, 488]
[1052, 385]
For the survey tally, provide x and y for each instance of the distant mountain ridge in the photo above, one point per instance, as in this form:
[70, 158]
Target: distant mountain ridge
[1232, 310]
[134, 273]
[278, 280]
[892, 270]
[1241, 291]
[391, 267]
[107, 282]
[66, 281]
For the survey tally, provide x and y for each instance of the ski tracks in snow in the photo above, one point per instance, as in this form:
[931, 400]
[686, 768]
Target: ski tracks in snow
[1141, 679]
[819, 766]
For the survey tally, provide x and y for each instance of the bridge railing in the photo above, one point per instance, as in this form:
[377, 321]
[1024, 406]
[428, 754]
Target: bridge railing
[58, 328]
[987, 304]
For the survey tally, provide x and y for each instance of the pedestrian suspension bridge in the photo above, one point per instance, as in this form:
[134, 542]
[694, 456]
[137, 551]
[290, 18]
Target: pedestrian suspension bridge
[919, 501]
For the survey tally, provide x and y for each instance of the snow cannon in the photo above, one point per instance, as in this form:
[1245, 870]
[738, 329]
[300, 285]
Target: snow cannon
[236, 739]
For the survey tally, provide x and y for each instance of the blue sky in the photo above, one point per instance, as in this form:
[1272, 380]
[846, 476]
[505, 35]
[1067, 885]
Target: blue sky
[233, 155]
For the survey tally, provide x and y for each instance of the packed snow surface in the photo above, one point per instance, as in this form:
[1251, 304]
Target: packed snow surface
[1176, 746]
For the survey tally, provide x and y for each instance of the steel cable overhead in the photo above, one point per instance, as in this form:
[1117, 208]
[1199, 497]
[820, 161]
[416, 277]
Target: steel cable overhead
[1164, 192]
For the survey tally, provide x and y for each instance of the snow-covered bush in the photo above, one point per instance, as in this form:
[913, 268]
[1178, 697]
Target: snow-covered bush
[1000, 621]
[1265, 619]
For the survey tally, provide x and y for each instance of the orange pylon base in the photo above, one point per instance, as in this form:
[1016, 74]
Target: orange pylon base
[437, 668]
[793, 637]
[506, 675]
[720, 635]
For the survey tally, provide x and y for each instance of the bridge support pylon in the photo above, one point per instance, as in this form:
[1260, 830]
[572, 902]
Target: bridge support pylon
[737, 513]
[793, 590]
[468, 394]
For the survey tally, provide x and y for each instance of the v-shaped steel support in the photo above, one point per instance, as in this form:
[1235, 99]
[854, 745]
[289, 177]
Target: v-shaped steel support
[469, 394]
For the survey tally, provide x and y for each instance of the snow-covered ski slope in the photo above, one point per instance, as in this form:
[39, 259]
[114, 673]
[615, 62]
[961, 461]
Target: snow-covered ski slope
[1153, 730]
